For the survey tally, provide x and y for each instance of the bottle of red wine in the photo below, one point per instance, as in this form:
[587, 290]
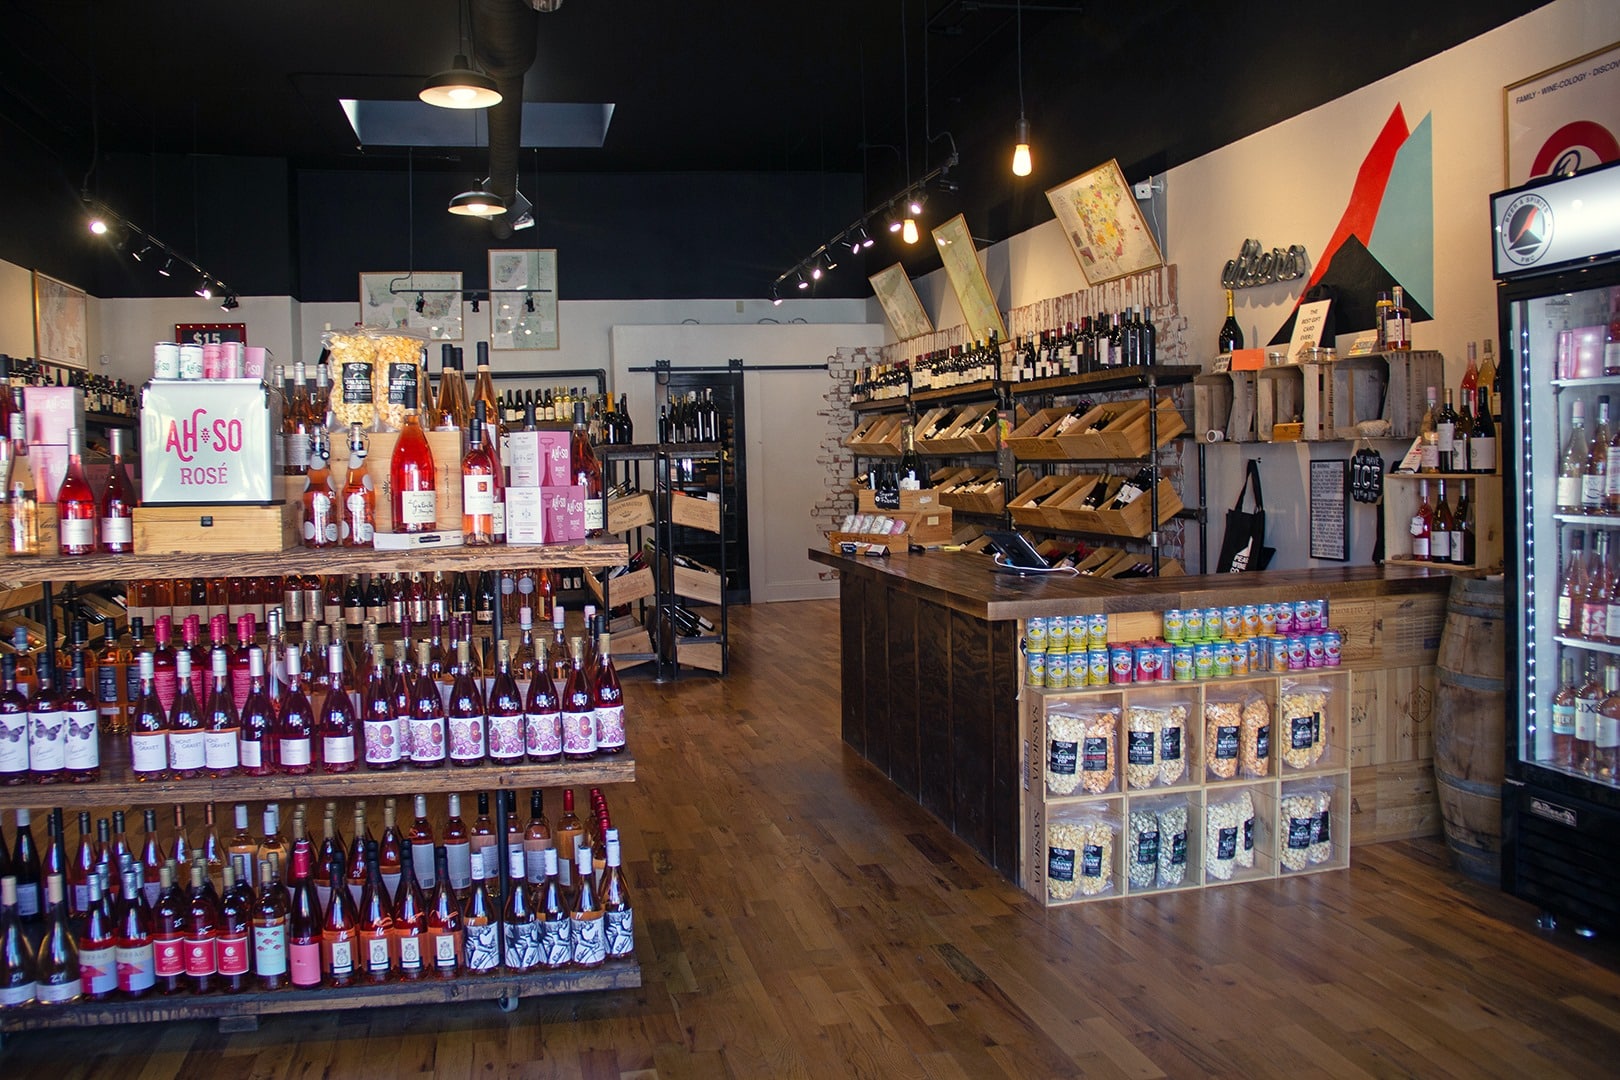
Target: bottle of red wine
[1133, 488]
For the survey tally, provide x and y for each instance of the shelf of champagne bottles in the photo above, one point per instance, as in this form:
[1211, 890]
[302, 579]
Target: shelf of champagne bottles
[198, 712]
[181, 925]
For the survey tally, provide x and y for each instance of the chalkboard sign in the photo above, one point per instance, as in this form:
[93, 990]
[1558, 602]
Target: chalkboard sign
[210, 333]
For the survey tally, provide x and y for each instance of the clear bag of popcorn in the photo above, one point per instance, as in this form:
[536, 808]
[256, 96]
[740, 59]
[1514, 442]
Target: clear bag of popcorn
[1082, 749]
[1302, 722]
[1081, 851]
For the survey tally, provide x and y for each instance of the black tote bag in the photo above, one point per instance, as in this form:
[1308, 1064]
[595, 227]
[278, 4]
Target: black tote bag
[1243, 547]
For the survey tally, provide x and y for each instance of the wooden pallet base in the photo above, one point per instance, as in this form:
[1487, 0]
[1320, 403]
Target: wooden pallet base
[240, 1012]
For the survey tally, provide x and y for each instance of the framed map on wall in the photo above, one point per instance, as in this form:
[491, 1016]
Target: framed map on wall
[900, 304]
[523, 299]
[427, 302]
[962, 266]
[61, 322]
[1105, 227]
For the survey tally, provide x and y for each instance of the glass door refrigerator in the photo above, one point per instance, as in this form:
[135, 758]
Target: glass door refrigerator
[1556, 251]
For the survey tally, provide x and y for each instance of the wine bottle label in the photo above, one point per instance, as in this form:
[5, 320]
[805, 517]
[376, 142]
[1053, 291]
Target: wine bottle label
[117, 530]
[422, 863]
[1458, 548]
[342, 962]
[1446, 437]
[47, 741]
[483, 947]
[459, 860]
[27, 899]
[251, 752]
[1586, 718]
[1440, 545]
[590, 938]
[355, 382]
[477, 495]
[579, 732]
[417, 508]
[304, 960]
[609, 721]
[556, 942]
[98, 969]
[1569, 491]
[337, 749]
[83, 750]
[621, 932]
[1563, 720]
[20, 994]
[148, 752]
[168, 957]
[382, 742]
[427, 744]
[323, 891]
[220, 749]
[297, 450]
[446, 949]
[506, 743]
[378, 956]
[1566, 610]
[202, 956]
[270, 949]
[294, 751]
[1608, 738]
[14, 743]
[233, 953]
[187, 750]
[542, 735]
[107, 685]
[1592, 487]
[77, 532]
[79, 899]
[498, 516]
[466, 738]
[137, 967]
[55, 993]
[410, 951]
[595, 513]
[152, 887]
[1482, 459]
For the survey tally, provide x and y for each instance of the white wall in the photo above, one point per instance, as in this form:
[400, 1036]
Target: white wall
[784, 425]
[17, 314]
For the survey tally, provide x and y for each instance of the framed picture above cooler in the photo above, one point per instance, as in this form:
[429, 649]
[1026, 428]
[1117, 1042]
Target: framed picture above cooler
[523, 299]
[427, 302]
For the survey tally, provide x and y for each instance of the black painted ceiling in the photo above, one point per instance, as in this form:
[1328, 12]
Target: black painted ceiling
[838, 86]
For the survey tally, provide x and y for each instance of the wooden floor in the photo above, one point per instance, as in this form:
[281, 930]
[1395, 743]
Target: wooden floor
[798, 918]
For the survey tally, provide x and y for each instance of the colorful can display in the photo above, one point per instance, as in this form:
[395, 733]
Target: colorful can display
[1035, 669]
[1297, 655]
[1147, 664]
[1035, 634]
[1223, 659]
[1231, 623]
[1268, 620]
[1251, 620]
[1259, 654]
[1285, 619]
[1204, 661]
[1121, 663]
[1181, 663]
[1057, 634]
[1305, 616]
[1314, 657]
[1332, 648]
[1057, 671]
[1097, 631]
[1097, 667]
[1212, 624]
[1173, 625]
[1240, 658]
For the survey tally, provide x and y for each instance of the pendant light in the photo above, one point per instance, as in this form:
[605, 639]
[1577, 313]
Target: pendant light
[908, 230]
[480, 202]
[1021, 165]
[460, 87]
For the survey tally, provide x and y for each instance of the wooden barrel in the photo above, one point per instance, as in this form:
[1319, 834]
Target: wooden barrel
[1470, 709]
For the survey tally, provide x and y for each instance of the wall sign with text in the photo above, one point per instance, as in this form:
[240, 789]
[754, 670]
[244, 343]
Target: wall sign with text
[209, 333]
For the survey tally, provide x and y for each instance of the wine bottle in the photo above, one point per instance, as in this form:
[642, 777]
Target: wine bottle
[466, 713]
[380, 722]
[57, 961]
[408, 924]
[169, 915]
[578, 708]
[410, 472]
[305, 921]
[235, 945]
[18, 977]
[47, 728]
[270, 918]
[422, 846]
[295, 721]
[586, 922]
[457, 848]
[480, 922]
[1482, 449]
[1440, 527]
[76, 503]
[1231, 335]
[1397, 335]
[427, 717]
[1588, 699]
[136, 960]
[80, 727]
[339, 931]
[22, 502]
[444, 932]
[13, 726]
[556, 923]
[337, 725]
[478, 470]
[1420, 527]
[1573, 463]
[505, 711]
[619, 916]
[1445, 428]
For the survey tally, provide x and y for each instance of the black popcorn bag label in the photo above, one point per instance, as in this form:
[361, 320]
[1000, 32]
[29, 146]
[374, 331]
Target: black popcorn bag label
[402, 388]
[1140, 748]
[1248, 834]
[1301, 732]
[1170, 744]
[1096, 754]
[1299, 833]
[1060, 864]
[1262, 742]
[1147, 848]
[1226, 742]
[356, 376]
[1178, 849]
[1319, 828]
[1226, 843]
[1063, 757]
[1091, 861]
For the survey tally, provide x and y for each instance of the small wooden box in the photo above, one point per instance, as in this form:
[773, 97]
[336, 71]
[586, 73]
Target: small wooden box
[877, 435]
[629, 512]
[1128, 436]
[1280, 394]
[626, 642]
[1410, 376]
[1340, 395]
[184, 530]
[1028, 440]
[624, 589]
[694, 513]
[699, 585]
[707, 655]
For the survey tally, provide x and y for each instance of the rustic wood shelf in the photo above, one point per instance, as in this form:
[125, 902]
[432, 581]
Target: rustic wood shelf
[613, 975]
[973, 391]
[1128, 378]
[118, 783]
[589, 553]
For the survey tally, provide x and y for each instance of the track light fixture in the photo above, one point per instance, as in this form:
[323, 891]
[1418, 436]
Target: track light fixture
[203, 289]
[168, 266]
[475, 305]
[915, 203]
[815, 271]
[863, 239]
[528, 303]
[98, 226]
[803, 284]
[139, 254]
[230, 303]
[828, 263]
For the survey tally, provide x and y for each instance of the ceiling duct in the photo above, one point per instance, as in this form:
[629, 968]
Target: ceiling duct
[506, 38]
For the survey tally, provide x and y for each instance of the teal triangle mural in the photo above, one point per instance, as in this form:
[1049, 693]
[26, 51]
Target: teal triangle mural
[1403, 233]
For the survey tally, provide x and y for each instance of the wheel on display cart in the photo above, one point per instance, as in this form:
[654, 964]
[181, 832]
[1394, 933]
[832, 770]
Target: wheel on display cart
[508, 1002]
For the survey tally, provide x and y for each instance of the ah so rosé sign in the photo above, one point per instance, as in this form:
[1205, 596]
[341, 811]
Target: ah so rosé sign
[217, 441]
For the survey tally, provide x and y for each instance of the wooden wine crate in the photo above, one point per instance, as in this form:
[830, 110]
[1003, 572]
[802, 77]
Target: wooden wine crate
[1135, 520]
[699, 585]
[971, 443]
[708, 655]
[225, 529]
[878, 435]
[1410, 376]
[629, 512]
[1225, 403]
[1341, 395]
[628, 642]
[624, 589]
[922, 500]
[1029, 440]
[1279, 399]
[1127, 436]
[694, 513]
[1037, 505]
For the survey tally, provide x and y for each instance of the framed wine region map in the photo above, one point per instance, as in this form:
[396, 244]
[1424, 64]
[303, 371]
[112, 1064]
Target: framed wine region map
[900, 304]
[1105, 226]
[962, 266]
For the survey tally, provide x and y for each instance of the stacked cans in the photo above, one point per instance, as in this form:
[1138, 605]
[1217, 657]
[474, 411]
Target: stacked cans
[214, 360]
[1073, 651]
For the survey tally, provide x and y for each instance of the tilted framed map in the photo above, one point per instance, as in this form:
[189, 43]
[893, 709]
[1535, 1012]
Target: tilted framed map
[900, 304]
[962, 266]
[1106, 230]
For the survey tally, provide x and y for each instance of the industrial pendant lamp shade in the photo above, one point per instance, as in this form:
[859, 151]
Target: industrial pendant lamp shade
[1021, 165]
[460, 87]
[478, 203]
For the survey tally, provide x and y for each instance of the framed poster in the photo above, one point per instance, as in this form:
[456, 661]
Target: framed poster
[1330, 531]
[1104, 224]
[1563, 119]
[209, 333]
[900, 304]
[61, 322]
[390, 301]
[523, 298]
[972, 288]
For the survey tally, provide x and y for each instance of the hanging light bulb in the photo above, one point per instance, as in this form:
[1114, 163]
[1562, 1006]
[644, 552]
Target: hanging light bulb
[480, 202]
[98, 226]
[1021, 164]
[908, 231]
[460, 87]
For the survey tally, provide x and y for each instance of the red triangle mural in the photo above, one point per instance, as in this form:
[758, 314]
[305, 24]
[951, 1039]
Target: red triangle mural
[1368, 192]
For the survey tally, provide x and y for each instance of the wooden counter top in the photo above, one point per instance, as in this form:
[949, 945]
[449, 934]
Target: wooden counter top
[963, 581]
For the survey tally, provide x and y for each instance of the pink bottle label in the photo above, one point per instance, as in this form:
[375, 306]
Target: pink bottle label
[306, 963]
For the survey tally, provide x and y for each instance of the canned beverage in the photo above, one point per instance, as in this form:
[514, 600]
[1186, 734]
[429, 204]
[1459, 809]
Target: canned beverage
[1298, 657]
[255, 362]
[1121, 663]
[191, 361]
[1322, 614]
[1079, 636]
[212, 355]
[1097, 667]
[1332, 648]
[1259, 654]
[1057, 634]
[166, 360]
[1172, 625]
[1035, 634]
[1035, 669]
[1223, 659]
[1231, 623]
[1057, 671]
[1285, 619]
[1251, 620]
[1166, 658]
[1268, 620]
[1314, 657]
[232, 359]
[1279, 653]
[1212, 624]
[1097, 631]
[1204, 661]
[1305, 615]
[1192, 626]
[1147, 664]
[1240, 658]
[1181, 663]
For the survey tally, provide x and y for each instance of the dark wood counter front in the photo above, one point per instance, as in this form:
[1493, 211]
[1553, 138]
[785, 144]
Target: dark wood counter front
[931, 675]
